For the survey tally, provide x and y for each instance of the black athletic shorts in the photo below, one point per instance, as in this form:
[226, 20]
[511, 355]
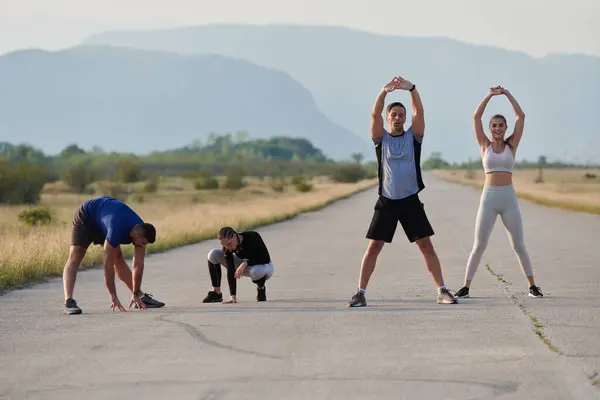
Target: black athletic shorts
[84, 232]
[410, 212]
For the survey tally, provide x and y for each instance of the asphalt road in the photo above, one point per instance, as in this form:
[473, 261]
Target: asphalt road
[304, 342]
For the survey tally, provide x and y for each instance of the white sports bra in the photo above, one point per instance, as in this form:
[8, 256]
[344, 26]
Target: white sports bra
[494, 162]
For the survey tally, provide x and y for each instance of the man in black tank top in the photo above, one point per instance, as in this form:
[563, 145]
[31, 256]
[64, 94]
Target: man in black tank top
[242, 254]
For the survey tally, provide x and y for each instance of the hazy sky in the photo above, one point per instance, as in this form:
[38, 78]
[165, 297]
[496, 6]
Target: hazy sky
[537, 27]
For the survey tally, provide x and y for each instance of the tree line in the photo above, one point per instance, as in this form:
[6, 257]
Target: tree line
[24, 169]
[436, 161]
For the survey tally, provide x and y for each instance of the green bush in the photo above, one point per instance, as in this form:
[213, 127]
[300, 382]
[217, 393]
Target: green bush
[301, 184]
[79, 176]
[434, 163]
[21, 183]
[235, 179]
[278, 184]
[297, 179]
[129, 170]
[304, 187]
[152, 185]
[36, 216]
[206, 183]
[348, 173]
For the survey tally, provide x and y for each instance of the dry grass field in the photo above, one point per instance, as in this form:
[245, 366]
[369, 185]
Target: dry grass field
[181, 214]
[572, 189]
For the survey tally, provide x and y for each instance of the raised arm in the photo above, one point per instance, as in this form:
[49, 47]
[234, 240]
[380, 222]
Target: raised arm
[515, 138]
[376, 117]
[418, 117]
[480, 136]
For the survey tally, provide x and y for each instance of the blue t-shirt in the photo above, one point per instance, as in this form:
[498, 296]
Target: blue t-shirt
[113, 217]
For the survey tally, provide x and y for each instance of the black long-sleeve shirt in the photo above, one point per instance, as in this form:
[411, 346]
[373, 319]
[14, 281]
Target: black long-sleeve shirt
[252, 250]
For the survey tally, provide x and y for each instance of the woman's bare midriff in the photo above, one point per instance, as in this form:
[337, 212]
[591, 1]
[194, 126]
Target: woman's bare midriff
[499, 178]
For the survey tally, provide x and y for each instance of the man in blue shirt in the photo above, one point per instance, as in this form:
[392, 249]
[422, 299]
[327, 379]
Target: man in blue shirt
[110, 223]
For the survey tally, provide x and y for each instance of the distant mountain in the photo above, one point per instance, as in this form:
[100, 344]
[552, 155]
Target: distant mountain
[345, 68]
[139, 101]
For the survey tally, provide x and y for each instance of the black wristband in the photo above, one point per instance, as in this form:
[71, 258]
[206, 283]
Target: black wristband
[412, 88]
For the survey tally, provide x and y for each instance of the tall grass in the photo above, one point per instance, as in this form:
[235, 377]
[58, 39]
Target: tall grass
[30, 254]
[569, 189]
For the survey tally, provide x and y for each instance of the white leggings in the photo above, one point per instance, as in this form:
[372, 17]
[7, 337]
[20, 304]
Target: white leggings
[498, 200]
[255, 272]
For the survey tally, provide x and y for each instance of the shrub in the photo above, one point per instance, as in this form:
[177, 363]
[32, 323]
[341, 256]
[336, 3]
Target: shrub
[36, 216]
[152, 185]
[278, 184]
[589, 176]
[301, 184]
[129, 170]
[206, 183]
[304, 187]
[348, 173]
[79, 176]
[235, 179]
[298, 179]
[21, 183]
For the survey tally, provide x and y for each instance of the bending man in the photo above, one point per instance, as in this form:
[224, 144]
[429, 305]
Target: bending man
[110, 223]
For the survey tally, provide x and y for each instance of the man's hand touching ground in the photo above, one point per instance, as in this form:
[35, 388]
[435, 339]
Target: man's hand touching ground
[116, 304]
[137, 300]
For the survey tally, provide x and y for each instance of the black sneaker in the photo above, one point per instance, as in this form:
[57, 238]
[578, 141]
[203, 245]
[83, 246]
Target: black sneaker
[150, 302]
[445, 297]
[463, 292]
[213, 297]
[70, 307]
[535, 291]
[261, 293]
[358, 300]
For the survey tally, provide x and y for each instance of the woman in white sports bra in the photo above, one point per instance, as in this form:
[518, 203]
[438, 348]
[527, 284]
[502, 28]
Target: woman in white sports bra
[498, 196]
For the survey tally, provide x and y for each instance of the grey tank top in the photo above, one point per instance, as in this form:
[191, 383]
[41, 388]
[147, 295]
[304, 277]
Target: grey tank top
[398, 165]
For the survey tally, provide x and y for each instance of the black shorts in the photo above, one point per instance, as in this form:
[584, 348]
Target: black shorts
[84, 232]
[410, 212]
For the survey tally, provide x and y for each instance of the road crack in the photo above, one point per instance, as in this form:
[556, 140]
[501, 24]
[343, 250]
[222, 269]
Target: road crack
[196, 334]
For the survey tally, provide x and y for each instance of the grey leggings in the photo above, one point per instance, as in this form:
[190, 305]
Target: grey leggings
[255, 272]
[498, 200]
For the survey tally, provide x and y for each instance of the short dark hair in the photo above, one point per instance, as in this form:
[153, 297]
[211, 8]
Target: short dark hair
[226, 232]
[395, 104]
[147, 230]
